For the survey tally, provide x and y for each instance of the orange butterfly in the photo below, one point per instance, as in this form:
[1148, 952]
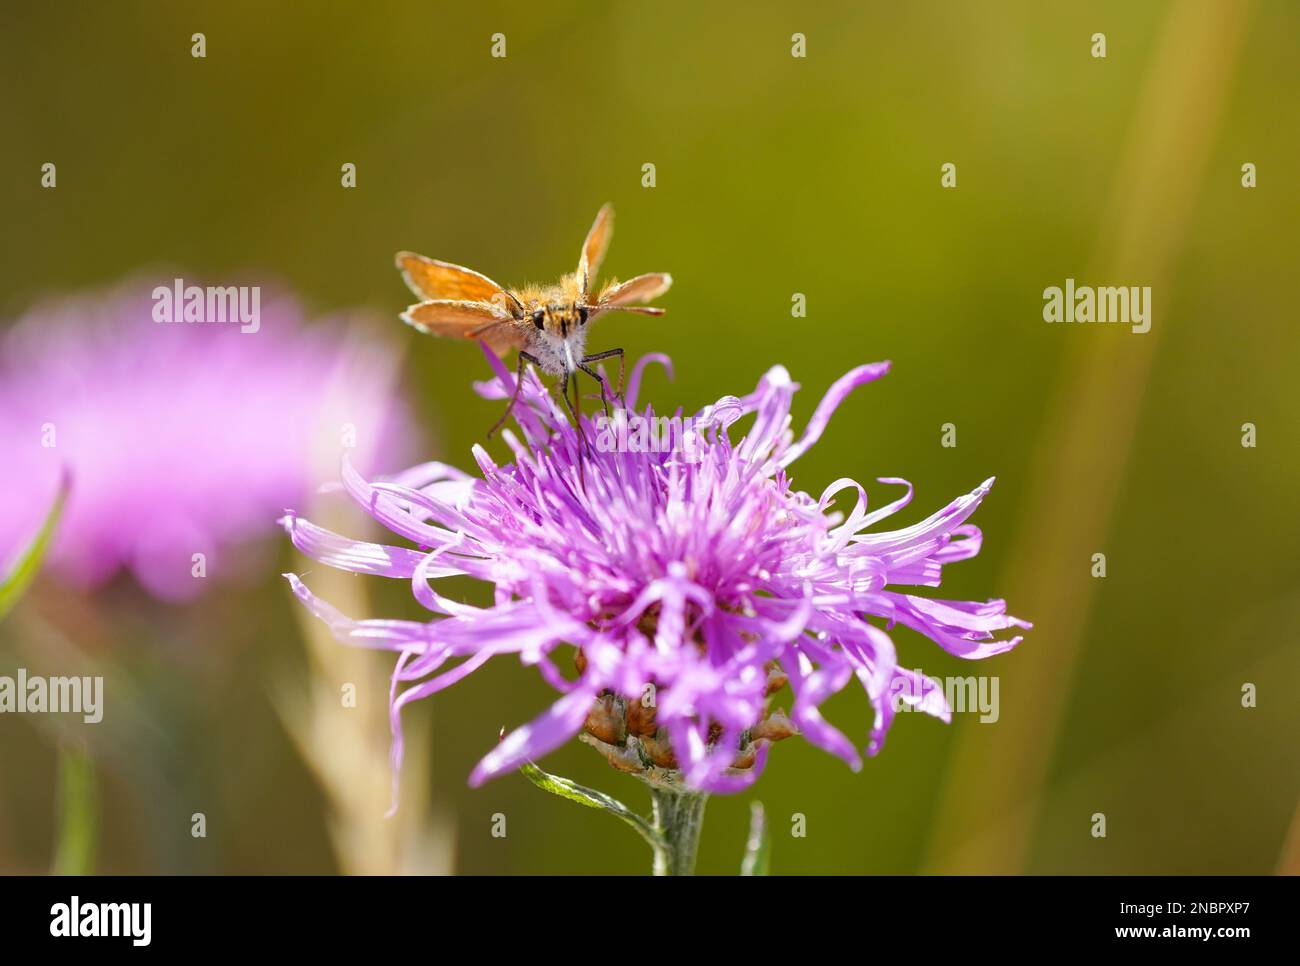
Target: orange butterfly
[546, 323]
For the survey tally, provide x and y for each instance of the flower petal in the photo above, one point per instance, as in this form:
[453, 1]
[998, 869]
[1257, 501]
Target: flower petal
[355, 556]
[547, 731]
[830, 402]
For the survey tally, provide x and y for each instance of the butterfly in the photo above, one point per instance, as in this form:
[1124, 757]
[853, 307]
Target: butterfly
[547, 324]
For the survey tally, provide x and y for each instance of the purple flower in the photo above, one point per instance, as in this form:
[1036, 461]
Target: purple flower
[181, 438]
[702, 578]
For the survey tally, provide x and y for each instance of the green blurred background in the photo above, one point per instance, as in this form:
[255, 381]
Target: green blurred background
[775, 175]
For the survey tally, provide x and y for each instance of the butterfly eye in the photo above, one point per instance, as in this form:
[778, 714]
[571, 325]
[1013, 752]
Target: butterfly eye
[539, 318]
[582, 315]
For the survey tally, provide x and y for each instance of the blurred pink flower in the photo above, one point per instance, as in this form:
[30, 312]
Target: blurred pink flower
[181, 438]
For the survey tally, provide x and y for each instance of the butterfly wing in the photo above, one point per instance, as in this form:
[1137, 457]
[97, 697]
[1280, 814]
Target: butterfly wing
[594, 248]
[643, 288]
[432, 279]
[464, 319]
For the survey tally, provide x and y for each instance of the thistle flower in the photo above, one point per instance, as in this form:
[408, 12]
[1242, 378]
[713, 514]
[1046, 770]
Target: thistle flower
[705, 583]
[181, 438]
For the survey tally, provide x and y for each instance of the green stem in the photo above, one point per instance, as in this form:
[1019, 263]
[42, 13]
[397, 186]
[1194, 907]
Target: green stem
[78, 811]
[678, 818]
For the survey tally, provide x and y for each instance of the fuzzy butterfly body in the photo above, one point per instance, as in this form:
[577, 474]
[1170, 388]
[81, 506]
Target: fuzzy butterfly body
[546, 323]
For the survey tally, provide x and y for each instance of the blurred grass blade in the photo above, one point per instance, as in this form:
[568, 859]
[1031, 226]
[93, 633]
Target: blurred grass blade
[14, 583]
[592, 799]
[78, 812]
[758, 848]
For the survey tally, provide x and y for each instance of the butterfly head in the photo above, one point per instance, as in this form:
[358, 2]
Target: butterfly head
[557, 332]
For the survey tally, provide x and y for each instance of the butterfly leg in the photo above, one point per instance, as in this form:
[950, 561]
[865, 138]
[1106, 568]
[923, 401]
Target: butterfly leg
[514, 396]
[600, 357]
[574, 407]
[604, 387]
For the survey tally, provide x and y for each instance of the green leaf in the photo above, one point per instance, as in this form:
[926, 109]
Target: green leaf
[758, 848]
[14, 584]
[592, 799]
